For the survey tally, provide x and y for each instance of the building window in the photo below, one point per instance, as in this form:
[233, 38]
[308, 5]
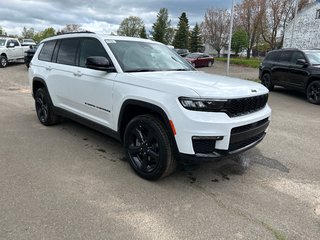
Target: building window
[318, 14]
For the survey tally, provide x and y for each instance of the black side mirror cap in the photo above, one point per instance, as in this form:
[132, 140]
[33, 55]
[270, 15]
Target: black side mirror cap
[99, 63]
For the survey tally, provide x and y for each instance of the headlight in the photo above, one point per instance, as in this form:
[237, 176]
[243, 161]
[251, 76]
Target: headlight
[206, 105]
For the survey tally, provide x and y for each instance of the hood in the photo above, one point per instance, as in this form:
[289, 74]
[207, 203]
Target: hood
[204, 84]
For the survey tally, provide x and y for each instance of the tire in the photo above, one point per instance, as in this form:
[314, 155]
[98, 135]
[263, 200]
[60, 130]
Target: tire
[313, 92]
[148, 148]
[210, 64]
[44, 108]
[267, 82]
[3, 61]
[194, 65]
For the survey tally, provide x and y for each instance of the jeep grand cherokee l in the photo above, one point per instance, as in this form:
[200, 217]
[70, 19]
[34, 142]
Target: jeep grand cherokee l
[294, 69]
[148, 97]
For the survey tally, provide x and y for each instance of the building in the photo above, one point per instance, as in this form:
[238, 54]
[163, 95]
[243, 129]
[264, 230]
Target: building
[306, 32]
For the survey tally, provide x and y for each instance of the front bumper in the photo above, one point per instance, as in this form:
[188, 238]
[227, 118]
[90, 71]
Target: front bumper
[203, 135]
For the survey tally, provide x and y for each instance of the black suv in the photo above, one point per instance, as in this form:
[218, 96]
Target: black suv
[294, 69]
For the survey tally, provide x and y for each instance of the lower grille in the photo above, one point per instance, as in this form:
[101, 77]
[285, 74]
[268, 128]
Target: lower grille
[246, 142]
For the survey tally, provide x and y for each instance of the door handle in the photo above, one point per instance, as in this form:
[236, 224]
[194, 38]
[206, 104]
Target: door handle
[48, 68]
[77, 74]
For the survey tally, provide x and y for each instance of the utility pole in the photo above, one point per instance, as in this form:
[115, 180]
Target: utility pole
[230, 38]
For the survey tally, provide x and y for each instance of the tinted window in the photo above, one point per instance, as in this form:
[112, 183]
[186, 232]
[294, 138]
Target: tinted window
[296, 56]
[285, 57]
[272, 56]
[67, 51]
[16, 43]
[47, 51]
[91, 47]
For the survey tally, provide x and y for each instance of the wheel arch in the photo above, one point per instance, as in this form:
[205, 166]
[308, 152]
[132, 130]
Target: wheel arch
[132, 108]
[310, 80]
[4, 55]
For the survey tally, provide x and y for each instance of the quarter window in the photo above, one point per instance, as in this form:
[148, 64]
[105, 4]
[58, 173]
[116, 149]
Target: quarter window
[318, 14]
[47, 51]
[91, 47]
[272, 56]
[68, 51]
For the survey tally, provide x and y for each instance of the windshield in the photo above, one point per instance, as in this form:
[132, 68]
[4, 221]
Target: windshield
[28, 40]
[2, 42]
[135, 56]
[314, 57]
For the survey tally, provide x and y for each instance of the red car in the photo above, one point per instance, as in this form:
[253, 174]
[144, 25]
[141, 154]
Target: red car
[200, 59]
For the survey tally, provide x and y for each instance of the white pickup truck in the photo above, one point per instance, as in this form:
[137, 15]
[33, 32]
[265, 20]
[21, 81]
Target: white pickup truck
[10, 51]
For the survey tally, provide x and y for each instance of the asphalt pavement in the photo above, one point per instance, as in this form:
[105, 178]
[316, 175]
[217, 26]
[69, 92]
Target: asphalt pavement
[70, 182]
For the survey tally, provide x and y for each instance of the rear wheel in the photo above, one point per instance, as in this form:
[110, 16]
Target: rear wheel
[193, 65]
[313, 92]
[148, 148]
[44, 108]
[3, 61]
[210, 64]
[266, 81]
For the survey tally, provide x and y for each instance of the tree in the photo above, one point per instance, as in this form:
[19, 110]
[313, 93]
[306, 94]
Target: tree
[248, 16]
[215, 28]
[162, 32]
[239, 40]
[71, 28]
[131, 27]
[143, 33]
[2, 32]
[181, 38]
[28, 33]
[195, 39]
[48, 32]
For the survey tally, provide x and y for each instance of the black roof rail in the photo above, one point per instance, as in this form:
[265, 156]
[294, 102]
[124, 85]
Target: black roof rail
[64, 33]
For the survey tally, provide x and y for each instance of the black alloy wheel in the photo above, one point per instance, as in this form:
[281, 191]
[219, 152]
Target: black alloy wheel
[313, 92]
[3, 61]
[44, 108]
[267, 82]
[148, 148]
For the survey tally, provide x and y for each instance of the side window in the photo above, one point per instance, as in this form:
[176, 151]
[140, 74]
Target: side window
[285, 57]
[296, 56]
[16, 43]
[272, 56]
[68, 51]
[47, 51]
[318, 14]
[91, 47]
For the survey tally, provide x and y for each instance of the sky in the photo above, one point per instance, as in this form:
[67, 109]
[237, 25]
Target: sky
[100, 16]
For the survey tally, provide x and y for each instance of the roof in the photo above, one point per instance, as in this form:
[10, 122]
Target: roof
[90, 34]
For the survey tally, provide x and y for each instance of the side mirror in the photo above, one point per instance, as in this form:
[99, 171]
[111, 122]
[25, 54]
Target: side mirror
[99, 63]
[11, 45]
[302, 62]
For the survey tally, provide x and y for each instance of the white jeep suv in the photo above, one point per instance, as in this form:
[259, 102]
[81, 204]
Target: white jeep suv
[144, 94]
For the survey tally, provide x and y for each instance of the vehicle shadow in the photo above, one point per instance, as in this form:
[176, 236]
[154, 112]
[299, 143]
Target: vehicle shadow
[290, 93]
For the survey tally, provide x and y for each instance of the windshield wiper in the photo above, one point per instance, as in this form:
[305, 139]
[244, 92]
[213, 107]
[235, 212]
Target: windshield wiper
[141, 70]
[179, 69]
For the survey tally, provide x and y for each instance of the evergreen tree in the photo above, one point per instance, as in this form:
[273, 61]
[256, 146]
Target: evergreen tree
[181, 39]
[161, 28]
[195, 39]
[143, 33]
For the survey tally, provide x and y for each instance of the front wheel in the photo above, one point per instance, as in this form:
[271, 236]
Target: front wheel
[3, 61]
[267, 82]
[313, 92]
[148, 148]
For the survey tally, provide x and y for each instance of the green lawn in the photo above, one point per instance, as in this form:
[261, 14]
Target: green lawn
[251, 62]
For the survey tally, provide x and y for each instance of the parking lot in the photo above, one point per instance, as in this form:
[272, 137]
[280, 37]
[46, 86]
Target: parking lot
[70, 182]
